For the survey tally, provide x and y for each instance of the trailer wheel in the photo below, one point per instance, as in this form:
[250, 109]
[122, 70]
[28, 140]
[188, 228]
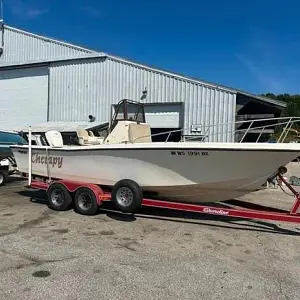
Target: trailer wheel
[85, 201]
[2, 178]
[127, 196]
[59, 197]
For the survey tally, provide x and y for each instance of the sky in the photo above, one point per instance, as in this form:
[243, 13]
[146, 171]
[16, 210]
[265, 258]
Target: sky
[249, 45]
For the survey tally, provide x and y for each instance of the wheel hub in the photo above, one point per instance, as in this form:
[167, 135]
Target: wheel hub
[57, 197]
[84, 201]
[124, 196]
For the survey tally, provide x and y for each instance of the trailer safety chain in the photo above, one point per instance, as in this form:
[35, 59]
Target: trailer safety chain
[292, 195]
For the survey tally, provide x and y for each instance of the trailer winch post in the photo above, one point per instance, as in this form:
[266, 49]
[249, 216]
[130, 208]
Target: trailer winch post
[296, 205]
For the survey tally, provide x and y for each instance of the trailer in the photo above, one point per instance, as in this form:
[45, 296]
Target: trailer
[127, 196]
[7, 167]
[4, 171]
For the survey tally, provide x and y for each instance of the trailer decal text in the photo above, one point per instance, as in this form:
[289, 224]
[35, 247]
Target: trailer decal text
[215, 211]
[42, 159]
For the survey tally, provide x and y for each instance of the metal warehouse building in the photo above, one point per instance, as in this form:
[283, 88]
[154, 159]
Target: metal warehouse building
[42, 79]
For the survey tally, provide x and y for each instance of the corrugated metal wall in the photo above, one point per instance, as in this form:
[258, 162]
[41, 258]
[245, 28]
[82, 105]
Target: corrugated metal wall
[21, 48]
[92, 86]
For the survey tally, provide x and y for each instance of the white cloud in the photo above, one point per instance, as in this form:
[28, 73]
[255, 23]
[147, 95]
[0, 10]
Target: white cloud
[91, 11]
[34, 12]
[270, 80]
[25, 10]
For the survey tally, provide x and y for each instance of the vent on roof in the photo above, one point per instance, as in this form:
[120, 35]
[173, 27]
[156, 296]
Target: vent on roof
[91, 118]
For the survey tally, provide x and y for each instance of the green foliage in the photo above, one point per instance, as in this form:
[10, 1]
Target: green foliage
[292, 110]
[293, 103]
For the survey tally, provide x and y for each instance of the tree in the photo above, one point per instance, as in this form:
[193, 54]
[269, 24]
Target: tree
[292, 109]
[293, 103]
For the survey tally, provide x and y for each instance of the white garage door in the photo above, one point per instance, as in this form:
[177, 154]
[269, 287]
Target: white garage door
[23, 97]
[164, 115]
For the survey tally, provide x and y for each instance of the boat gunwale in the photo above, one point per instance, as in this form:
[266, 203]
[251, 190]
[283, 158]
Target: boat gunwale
[248, 147]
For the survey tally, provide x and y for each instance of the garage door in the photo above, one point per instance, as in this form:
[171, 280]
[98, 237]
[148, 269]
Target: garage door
[23, 97]
[164, 115]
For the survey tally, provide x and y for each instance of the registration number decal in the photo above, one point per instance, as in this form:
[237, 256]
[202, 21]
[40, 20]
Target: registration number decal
[189, 152]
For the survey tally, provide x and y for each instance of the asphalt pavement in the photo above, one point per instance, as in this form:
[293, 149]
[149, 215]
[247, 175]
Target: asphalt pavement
[156, 254]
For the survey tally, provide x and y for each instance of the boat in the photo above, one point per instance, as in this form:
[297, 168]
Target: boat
[8, 138]
[189, 171]
[7, 163]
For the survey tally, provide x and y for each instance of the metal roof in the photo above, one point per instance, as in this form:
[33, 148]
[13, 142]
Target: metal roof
[63, 126]
[46, 39]
[264, 99]
[158, 70]
[203, 82]
[51, 60]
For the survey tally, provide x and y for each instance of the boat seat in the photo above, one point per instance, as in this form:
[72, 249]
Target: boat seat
[85, 139]
[54, 138]
[139, 133]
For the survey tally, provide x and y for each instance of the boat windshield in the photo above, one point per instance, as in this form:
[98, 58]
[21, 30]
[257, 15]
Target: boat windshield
[128, 110]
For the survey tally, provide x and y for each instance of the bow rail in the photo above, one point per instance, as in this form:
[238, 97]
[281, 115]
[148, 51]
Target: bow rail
[283, 124]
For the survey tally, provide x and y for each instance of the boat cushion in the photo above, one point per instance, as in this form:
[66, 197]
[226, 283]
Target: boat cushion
[54, 138]
[139, 133]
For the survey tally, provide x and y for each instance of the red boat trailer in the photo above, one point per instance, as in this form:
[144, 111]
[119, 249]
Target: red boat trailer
[76, 193]
[127, 196]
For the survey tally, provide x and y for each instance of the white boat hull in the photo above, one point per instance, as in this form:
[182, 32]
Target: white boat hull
[197, 172]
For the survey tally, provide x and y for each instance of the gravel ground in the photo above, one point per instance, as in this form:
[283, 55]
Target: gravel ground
[157, 254]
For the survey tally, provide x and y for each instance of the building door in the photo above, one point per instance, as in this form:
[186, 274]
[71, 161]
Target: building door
[23, 97]
[163, 117]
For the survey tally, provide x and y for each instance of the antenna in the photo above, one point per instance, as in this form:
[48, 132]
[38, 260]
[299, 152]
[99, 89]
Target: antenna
[1, 11]
[1, 28]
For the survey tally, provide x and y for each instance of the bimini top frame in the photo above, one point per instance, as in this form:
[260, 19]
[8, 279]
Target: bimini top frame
[127, 110]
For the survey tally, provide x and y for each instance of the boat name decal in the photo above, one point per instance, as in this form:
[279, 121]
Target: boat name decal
[190, 153]
[42, 159]
[215, 211]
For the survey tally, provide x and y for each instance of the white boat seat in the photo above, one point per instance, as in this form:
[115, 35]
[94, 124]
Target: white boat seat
[54, 138]
[85, 139]
[139, 133]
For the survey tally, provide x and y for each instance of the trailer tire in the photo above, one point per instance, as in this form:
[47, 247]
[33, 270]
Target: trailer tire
[2, 178]
[127, 196]
[85, 201]
[59, 198]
